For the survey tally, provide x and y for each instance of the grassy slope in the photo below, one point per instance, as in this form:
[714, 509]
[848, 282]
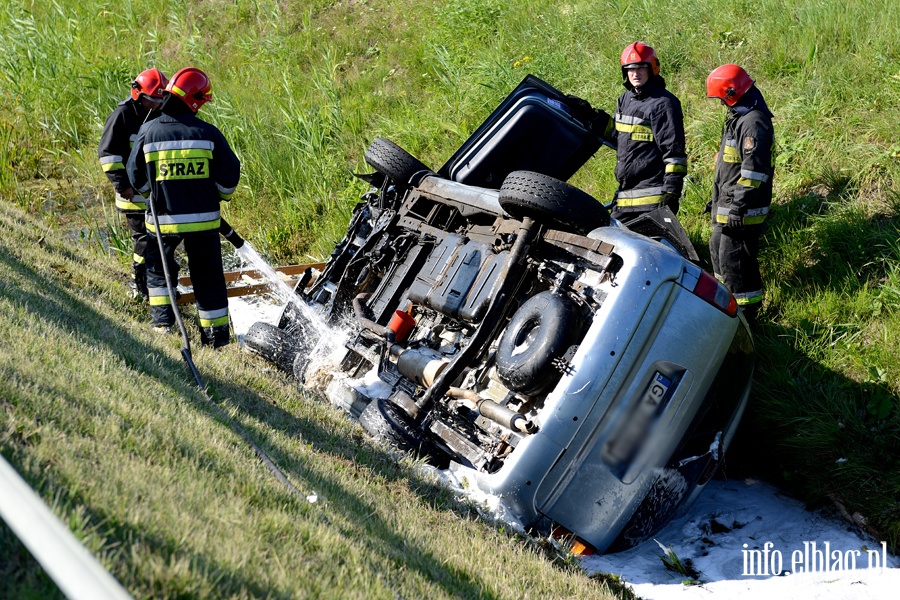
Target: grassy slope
[100, 416]
[301, 89]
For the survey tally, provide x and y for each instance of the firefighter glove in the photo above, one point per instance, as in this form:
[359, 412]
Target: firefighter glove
[735, 221]
[707, 209]
[581, 107]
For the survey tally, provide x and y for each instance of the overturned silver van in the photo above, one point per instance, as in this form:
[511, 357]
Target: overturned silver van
[589, 374]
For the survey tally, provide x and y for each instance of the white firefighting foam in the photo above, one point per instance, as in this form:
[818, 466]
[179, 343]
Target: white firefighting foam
[329, 341]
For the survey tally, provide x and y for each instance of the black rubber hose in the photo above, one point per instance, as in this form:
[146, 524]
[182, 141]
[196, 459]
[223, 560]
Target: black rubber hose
[230, 234]
[185, 341]
[186, 354]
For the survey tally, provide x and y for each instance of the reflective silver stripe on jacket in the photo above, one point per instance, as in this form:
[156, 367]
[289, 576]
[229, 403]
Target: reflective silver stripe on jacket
[753, 216]
[178, 145]
[188, 218]
[629, 120]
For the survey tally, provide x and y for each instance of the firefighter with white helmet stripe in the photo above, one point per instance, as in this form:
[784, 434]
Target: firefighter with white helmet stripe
[742, 191]
[649, 134]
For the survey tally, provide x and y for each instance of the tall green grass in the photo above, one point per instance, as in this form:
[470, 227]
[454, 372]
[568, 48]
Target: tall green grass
[301, 89]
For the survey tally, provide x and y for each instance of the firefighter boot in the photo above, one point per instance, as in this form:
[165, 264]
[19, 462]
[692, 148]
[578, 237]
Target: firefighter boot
[216, 337]
[138, 283]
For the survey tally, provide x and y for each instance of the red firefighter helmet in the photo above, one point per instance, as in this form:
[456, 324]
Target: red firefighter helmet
[151, 82]
[728, 83]
[639, 53]
[192, 86]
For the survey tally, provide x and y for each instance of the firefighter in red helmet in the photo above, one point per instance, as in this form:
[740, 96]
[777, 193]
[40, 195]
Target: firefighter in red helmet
[742, 191]
[188, 168]
[116, 140]
[649, 134]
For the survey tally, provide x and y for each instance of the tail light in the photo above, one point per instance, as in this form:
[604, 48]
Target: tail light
[713, 292]
[566, 540]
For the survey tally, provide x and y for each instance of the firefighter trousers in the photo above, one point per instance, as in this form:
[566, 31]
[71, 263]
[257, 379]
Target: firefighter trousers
[137, 226]
[734, 254]
[204, 255]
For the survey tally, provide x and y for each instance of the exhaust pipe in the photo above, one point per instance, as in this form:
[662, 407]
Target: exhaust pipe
[497, 413]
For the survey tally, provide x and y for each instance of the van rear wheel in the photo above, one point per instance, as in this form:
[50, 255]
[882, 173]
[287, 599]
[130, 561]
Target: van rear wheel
[557, 203]
[274, 344]
[383, 420]
[390, 159]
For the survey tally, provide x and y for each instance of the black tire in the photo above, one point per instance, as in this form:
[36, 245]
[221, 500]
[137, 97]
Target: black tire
[384, 420]
[273, 344]
[552, 202]
[387, 157]
[541, 331]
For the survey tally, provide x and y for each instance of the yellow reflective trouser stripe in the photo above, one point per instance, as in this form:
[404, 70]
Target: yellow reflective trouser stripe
[214, 322]
[178, 153]
[751, 183]
[112, 167]
[749, 298]
[184, 227]
[213, 318]
[137, 258]
[676, 168]
[639, 201]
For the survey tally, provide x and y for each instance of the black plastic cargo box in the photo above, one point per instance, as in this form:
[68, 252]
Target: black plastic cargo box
[536, 128]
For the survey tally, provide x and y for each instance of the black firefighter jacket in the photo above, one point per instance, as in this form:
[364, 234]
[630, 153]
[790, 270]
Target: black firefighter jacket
[187, 167]
[745, 163]
[650, 147]
[118, 136]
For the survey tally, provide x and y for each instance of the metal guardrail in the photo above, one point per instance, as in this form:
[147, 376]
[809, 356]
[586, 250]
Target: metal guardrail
[75, 571]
